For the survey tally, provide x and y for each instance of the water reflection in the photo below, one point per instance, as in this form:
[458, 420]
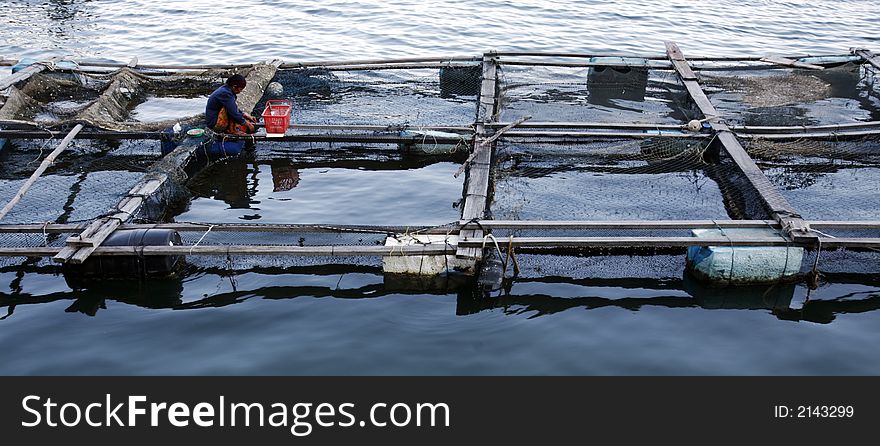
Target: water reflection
[236, 181]
[530, 297]
[327, 187]
[50, 24]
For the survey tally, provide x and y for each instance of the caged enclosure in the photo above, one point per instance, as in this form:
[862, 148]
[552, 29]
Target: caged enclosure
[521, 169]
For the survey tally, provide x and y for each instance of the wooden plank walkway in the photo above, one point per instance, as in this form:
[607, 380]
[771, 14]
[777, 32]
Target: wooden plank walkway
[477, 189]
[780, 209]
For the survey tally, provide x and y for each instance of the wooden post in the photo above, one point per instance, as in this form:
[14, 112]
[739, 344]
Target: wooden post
[477, 187]
[42, 168]
[779, 207]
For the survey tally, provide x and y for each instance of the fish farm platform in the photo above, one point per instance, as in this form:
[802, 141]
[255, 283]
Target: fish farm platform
[481, 158]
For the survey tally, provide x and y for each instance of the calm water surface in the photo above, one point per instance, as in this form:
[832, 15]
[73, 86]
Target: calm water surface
[563, 316]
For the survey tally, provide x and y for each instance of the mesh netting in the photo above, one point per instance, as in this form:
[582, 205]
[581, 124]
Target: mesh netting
[85, 182]
[792, 97]
[103, 101]
[596, 94]
[413, 97]
[650, 179]
[830, 180]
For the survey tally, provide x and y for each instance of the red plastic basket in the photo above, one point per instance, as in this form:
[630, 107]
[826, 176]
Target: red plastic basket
[277, 116]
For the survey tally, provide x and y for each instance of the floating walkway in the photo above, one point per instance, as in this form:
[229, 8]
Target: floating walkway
[553, 148]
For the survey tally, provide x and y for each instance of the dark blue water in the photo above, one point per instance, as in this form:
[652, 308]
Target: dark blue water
[604, 315]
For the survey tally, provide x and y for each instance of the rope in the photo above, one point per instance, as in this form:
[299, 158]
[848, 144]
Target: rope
[202, 238]
[814, 274]
[490, 236]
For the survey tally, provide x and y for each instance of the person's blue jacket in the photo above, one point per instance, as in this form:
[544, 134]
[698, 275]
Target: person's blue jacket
[222, 97]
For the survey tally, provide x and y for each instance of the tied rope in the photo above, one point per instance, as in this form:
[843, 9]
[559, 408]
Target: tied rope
[202, 238]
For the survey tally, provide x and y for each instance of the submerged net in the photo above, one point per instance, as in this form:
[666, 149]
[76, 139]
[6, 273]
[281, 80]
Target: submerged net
[794, 97]
[85, 182]
[824, 179]
[650, 179]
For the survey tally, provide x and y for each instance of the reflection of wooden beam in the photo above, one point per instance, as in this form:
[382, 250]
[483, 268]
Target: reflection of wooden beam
[42, 168]
[779, 207]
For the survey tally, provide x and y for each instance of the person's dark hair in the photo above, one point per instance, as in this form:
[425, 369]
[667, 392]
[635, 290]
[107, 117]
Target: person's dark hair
[236, 80]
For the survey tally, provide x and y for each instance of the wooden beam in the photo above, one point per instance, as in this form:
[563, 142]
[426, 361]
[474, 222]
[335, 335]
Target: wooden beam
[262, 250]
[42, 168]
[870, 57]
[779, 207]
[585, 125]
[671, 242]
[66, 228]
[649, 64]
[805, 128]
[232, 227]
[605, 135]
[776, 60]
[679, 63]
[519, 242]
[476, 193]
[476, 243]
[312, 64]
[26, 73]
[810, 135]
[785, 133]
[626, 224]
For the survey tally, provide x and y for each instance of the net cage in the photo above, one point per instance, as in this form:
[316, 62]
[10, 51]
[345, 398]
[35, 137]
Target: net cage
[563, 175]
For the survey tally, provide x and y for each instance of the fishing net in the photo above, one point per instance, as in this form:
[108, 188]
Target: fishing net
[85, 182]
[390, 97]
[823, 179]
[649, 179]
[594, 94]
[106, 101]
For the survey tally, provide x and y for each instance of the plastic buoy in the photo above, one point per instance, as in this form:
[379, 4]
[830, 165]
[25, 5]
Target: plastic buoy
[725, 265]
[695, 125]
[275, 89]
